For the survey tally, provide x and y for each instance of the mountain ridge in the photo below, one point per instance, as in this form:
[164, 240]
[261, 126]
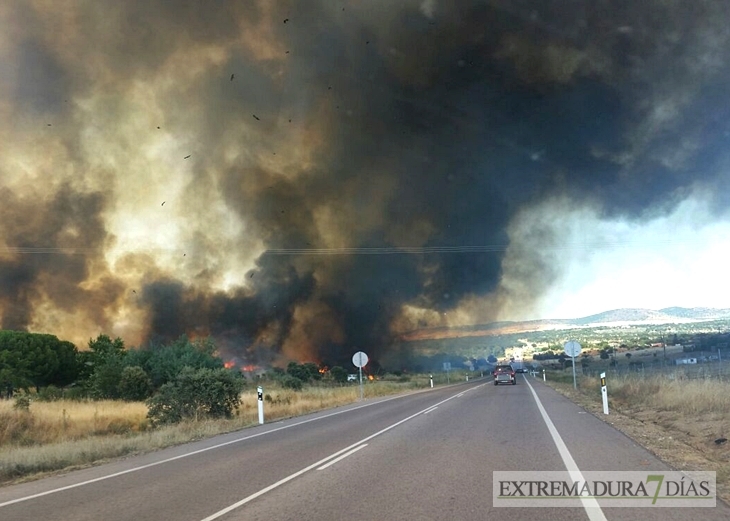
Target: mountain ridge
[626, 316]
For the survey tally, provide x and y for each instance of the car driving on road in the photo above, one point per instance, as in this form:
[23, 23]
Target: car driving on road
[504, 374]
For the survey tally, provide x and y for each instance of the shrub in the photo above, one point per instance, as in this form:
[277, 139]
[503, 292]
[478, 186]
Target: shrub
[134, 384]
[339, 374]
[292, 382]
[106, 376]
[313, 371]
[77, 392]
[49, 394]
[298, 371]
[196, 394]
[22, 402]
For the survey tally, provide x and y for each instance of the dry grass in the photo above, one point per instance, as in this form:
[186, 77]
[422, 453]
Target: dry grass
[688, 397]
[65, 420]
[678, 420]
[51, 436]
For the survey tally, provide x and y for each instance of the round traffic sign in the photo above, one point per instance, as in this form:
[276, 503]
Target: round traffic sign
[360, 359]
[572, 348]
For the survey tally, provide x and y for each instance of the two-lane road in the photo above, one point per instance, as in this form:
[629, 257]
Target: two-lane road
[427, 455]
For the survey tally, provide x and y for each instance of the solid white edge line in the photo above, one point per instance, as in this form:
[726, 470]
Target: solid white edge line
[590, 505]
[187, 454]
[353, 451]
[317, 464]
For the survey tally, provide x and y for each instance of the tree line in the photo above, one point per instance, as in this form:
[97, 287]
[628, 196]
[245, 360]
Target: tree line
[183, 379]
[179, 380]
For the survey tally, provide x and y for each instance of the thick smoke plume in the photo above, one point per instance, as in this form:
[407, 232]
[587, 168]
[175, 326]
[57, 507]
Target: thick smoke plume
[299, 179]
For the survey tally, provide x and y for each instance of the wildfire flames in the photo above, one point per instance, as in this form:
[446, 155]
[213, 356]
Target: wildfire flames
[324, 370]
[248, 368]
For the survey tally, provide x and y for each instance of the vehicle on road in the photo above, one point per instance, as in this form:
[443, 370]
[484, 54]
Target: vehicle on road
[518, 366]
[504, 374]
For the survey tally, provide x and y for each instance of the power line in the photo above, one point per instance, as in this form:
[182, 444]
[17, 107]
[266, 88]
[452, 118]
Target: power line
[389, 250]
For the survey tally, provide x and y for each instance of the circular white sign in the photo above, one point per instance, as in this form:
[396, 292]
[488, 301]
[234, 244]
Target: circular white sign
[572, 348]
[360, 359]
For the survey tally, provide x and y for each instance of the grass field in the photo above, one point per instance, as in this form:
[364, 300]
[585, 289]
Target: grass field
[51, 436]
[678, 420]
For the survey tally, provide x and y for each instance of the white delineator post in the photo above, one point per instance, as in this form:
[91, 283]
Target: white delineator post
[431, 378]
[260, 391]
[543, 375]
[604, 393]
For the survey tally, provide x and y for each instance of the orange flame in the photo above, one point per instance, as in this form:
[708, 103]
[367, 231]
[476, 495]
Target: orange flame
[229, 364]
[371, 377]
[323, 370]
[249, 368]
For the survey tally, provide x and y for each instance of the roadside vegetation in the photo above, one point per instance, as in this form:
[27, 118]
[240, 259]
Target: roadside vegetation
[683, 421]
[114, 402]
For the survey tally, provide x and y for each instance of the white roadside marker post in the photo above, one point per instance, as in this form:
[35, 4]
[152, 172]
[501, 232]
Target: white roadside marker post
[431, 378]
[260, 391]
[543, 375]
[604, 393]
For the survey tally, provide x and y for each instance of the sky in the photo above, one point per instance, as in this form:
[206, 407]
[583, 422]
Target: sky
[298, 179]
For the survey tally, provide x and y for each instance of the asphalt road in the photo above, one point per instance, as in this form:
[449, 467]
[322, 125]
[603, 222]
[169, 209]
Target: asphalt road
[428, 455]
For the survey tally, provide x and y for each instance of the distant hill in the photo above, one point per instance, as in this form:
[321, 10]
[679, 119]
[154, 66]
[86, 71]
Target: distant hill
[615, 316]
[649, 316]
[697, 313]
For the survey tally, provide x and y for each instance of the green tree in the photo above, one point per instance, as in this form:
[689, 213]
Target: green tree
[291, 382]
[164, 362]
[339, 374]
[36, 360]
[104, 381]
[313, 371]
[298, 371]
[104, 347]
[107, 362]
[134, 384]
[196, 394]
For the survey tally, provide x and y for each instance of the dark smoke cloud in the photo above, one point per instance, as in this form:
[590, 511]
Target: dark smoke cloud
[389, 124]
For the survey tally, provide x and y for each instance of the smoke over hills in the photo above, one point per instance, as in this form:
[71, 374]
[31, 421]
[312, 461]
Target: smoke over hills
[363, 169]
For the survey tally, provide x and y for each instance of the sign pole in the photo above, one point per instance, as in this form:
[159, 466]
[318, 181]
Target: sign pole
[360, 359]
[575, 386]
[604, 393]
[359, 370]
[572, 349]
